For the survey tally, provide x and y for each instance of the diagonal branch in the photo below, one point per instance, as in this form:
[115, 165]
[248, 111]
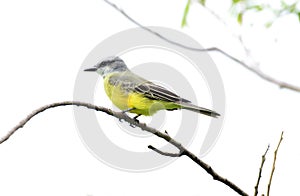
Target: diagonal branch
[143, 126]
[263, 159]
[274, 161]
[252, 69]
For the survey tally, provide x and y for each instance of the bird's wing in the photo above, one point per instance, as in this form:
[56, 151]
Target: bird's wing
[129, 81]
[154, 91]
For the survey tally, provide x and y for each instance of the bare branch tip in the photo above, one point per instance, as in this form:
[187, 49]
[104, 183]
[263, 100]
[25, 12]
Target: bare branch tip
[267, 150]
[274, 162]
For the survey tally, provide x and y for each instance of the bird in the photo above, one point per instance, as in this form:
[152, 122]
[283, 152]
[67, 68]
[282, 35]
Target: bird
[134, 94]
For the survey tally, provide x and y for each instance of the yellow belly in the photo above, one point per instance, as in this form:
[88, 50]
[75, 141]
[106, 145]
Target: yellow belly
[118, 97]
[127, 100]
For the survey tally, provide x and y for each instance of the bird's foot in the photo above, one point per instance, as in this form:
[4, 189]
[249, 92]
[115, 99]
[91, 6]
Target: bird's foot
[135, 118]
[127, 110]
[124, 112]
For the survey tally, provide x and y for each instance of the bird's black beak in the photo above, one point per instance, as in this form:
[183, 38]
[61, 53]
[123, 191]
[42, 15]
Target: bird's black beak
[91, 69]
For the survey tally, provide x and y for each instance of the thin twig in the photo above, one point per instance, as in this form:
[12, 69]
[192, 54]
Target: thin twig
[263, 159]
[239, 36]
[274, 161]
[254, 70]
[164, 153]
[143, 126]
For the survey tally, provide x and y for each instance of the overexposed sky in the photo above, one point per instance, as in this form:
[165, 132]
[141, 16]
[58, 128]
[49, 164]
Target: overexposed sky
[43, 45]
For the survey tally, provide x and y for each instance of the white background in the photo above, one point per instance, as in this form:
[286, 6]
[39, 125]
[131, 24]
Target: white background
[42, 46]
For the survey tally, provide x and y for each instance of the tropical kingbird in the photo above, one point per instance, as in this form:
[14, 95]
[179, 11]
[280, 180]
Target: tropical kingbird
[134, 94]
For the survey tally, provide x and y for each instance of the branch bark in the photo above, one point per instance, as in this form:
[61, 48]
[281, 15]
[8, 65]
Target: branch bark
[143, 126]
[263, 159]
[274, 161]
[252, 69]
[164, 153]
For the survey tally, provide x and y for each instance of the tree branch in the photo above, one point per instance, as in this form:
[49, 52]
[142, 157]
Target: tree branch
[143, 126]
[254, 70]
[164, 153]
[263, 159]
[274, 161]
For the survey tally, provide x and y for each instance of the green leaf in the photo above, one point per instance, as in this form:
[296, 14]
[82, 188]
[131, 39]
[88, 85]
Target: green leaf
[299, 16]
[269, 24]
[292, 8]
[186, 11]
[255, 7]
[240, 18]
[202, 2]
[235, 1]
[284, 5]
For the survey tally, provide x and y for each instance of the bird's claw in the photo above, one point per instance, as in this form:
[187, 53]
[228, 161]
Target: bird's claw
[135, 118]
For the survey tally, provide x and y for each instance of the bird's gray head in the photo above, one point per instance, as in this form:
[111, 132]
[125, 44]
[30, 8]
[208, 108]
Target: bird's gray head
[109, 65]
